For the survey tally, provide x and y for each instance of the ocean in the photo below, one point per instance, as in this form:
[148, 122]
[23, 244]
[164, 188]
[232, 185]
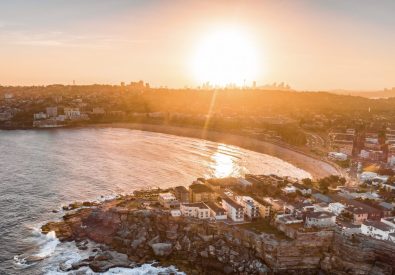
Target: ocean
[43, 170]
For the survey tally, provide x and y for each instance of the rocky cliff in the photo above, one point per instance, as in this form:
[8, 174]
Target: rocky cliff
[202, 247]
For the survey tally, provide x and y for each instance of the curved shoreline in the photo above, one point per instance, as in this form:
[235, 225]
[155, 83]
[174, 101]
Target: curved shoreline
[316, 167]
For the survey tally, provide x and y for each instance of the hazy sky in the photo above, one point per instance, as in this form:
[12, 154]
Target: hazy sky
[316, 44]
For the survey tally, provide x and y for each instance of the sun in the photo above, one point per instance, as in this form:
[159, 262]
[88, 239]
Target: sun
[224, 57]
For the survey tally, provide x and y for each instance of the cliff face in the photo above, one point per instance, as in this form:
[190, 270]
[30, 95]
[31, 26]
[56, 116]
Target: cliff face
[359, 255]
[202, 247]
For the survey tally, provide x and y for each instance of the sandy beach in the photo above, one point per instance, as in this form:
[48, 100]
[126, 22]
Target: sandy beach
[316, 167]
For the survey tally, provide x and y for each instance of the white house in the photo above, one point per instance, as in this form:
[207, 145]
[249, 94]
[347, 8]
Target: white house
[320, 219]
[251, 207]
[302, 188]
[196, 210]
[168, 200]
[234, 210]
[72, 113]
[377, 230]
[336, 208]
[216, 211]
[289, 189]
[337, 156]
[366, 176]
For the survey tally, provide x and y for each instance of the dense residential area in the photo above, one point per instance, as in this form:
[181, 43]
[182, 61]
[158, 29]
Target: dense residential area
[283, 206]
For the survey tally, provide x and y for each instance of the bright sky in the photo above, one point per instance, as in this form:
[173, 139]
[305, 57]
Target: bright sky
[312, 45]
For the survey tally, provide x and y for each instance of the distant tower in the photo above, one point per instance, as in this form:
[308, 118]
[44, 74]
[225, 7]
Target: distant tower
[254, 84]
[73, 82]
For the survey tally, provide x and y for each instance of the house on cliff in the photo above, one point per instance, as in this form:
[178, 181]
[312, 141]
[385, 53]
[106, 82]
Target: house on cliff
[168, 200]
[216, 211]
[197, 210]
[378, 230]
[234, 210]
[320, 219]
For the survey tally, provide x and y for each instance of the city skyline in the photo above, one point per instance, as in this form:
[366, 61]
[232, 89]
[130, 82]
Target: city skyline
[310, 45]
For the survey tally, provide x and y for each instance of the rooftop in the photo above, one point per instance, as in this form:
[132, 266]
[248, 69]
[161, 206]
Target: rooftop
[232, 203]
[200, 205]
[320, 215]
[200, 188]
[215, 207]
[379, 225]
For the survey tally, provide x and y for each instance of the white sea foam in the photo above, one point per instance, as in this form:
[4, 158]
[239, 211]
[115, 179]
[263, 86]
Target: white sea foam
[49, 246]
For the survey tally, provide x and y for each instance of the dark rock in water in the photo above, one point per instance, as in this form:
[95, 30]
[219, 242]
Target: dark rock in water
[82, 245]
[55, 211]
[109, 259]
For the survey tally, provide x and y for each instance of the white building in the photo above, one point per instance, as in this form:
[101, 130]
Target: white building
[337, 156]
[289, 189]
[251, 207]
[367, 176]
[196, 210]
[234, 210]
[168, 200]
[377, 230]
[39, 116]
[336, 208]
[320, 219]
[216, 211]
[72, 113]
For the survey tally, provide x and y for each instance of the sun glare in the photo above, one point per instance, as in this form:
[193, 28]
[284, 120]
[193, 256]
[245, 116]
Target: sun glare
[226, 57]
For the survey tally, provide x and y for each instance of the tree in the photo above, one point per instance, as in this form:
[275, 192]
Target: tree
[307, 182]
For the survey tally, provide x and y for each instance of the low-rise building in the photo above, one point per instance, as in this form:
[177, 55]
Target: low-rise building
[200, 192]
[39, 116]
[264, 208]
[182, 194]
[168, 200]
[336, 208]
[377, 230]
[289, 189]
[234, 210]
[197, 210]
[276, 204]
[216, 211]
[337, 156]
[302, 189]
[320, 219]
[287, 219]
[251, 207]
[72, 113]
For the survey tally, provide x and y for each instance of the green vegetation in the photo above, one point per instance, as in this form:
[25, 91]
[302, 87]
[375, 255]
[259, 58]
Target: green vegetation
[330, 181]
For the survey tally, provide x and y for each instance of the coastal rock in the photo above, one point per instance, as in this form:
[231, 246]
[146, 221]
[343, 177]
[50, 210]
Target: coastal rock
[109, 259]
[162, 249]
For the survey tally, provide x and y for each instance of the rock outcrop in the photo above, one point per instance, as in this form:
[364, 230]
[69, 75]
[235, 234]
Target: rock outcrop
[203, 247]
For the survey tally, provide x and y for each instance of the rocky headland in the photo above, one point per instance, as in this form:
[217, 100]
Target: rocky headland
[131, 235]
